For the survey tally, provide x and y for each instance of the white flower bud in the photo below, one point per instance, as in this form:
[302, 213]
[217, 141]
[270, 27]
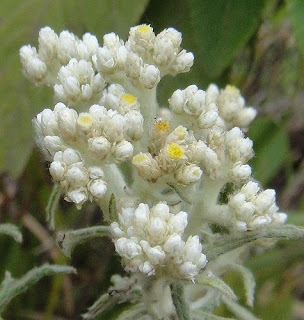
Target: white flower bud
[127, 248]
[78, 196]
[70, 156]
[53, 144]
[116, 231]
[187, 174]
[207, 119]
[155, 254]
[47, 122]
[250, 189]
[149, 76]
[100, 146]
[134, 125]
[115, 127]
[97, 188]
[67, 47]
[182, 63]
[178, 222]
[146, 166]
[265, 200]
[48, 42]
[279, 217]
[122, 151]
[146, 268]
[133, 65]
[174, 245]
[161, 210]
[57, 170]
[157, 229]
[177, 101]
[212, 93]
[67, 123]
[95, 172]
[99, 114]
[240, 172]
[141, 216]
[76, 177]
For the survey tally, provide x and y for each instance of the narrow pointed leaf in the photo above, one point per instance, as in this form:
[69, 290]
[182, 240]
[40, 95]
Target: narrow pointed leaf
[240, 312]
[11, 230]
[11, 287]
[52, 205]
[228, 243]
[68, 240]
[248, 279]
[212, 281]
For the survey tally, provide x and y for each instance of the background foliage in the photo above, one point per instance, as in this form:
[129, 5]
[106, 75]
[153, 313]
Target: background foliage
[257, 45]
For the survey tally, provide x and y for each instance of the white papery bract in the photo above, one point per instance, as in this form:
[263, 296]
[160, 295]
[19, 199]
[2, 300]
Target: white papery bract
[150, 241]
[254, 209]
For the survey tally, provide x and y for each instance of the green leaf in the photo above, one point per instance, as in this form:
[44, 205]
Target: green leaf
[296, 12]
[248, 279]
[11, 287]
[52, 205]
[238, 310]
[20, 101]
[180, 304]
[110, 303]
[213, 30]
[113, 215]
[68, 240]
[230, 242]
[211, 280]
[11, 230]
[272, 152]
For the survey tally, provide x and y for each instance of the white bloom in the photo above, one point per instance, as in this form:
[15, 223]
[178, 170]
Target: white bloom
[151, 239]
[122, 151]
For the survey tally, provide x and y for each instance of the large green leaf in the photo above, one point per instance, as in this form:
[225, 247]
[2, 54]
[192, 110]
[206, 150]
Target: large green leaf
[296, 12]
[20, 23]
[213, 30]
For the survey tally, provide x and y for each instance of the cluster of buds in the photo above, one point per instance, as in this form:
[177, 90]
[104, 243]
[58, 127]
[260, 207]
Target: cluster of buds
[205, 109]
[41, 66]
[171, 154]
[150, 241]
[99, 136]
[77, 182]
[254, 209]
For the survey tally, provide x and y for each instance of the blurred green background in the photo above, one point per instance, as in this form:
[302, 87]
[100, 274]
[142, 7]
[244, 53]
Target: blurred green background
[257, 45]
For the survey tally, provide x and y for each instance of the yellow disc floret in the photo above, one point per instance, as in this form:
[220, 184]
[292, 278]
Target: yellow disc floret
[162, 125]
[232, 89]
[85, 121]
[175, 151]
[139, 158]
[129, 98]
[143, 28]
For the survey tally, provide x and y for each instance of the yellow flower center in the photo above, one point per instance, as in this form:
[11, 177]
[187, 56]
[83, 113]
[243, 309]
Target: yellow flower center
[139, 158]
[129, 98]
[175, 151]
[85, 121]
[143, 28]
[180, 131]
[162, 125]
[232, 89]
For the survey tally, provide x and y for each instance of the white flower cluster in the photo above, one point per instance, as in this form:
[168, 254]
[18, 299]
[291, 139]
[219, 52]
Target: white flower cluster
[172, 154]
[41, 66]
[97, 137]
[205, 109]
[77, 182]
[254, 209]
[150, 241]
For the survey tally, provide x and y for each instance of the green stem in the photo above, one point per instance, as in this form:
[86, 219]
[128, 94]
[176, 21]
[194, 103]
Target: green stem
[180, 304]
